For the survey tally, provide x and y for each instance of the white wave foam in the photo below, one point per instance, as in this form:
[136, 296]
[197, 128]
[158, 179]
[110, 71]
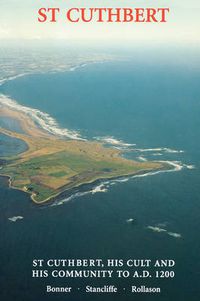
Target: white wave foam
[70, 198]
[130, 220]
[189, 166]
[157, 154]
[99, 188]
[173, 234]
[142, 158]
[148, 149]
[121, 180]
[169, 150]
[73, 68]
[159, 230]
[156, 229]
[159, 149]
[113, 141]
[44, 120]
[15, 218]
[177, 167]
[6, 79]
[176, 164]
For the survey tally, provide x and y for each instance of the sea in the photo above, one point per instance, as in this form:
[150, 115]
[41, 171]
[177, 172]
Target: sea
[148, 109]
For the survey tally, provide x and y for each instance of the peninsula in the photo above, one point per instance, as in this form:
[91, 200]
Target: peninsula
[52, 164]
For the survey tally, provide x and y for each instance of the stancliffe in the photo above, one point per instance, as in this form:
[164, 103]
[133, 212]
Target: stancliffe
[103, 289]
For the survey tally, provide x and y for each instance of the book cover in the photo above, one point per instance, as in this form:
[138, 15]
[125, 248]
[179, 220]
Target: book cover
[99, 150]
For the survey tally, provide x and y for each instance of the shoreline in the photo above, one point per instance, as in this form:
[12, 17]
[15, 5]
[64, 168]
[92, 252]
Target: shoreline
[92, 182]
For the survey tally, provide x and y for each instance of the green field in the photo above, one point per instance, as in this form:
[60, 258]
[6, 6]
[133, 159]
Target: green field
[47, 175]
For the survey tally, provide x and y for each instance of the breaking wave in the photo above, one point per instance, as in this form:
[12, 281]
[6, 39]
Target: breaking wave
[160, 230]
[121, 145]
[96, 189]
[159, 149]
[173, 234]
[44, 120]
[189, 166]
[113, 141]
[130, 220]
[99, 188]
[74, 68]
[156, 229]
[141, 158]
[70, 198]
[15, 218]
[6, 79]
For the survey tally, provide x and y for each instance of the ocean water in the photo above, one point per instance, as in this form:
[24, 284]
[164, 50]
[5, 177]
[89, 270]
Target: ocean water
[153, 106]
[11, 146]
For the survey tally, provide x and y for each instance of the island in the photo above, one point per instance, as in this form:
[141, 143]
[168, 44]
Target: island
[51, 164]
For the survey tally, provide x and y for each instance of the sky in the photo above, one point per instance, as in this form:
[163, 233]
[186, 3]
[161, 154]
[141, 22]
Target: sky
[19, 21]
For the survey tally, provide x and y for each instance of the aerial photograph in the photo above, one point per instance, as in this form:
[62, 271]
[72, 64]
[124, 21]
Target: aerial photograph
[99, 153]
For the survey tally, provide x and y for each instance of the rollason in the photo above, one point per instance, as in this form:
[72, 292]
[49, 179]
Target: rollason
[144, 289]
